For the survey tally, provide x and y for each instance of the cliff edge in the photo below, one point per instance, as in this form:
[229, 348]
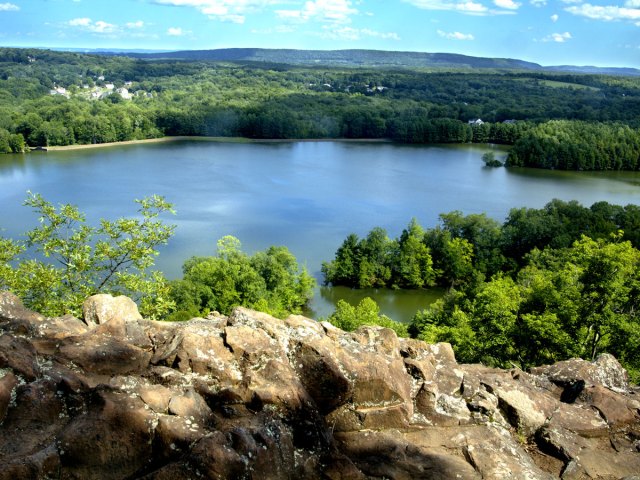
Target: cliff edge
[115, 396]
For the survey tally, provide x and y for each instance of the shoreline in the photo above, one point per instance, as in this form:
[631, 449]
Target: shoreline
[202, 139]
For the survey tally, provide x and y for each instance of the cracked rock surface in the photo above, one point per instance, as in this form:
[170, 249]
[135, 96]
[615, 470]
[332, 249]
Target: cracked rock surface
[115, 396]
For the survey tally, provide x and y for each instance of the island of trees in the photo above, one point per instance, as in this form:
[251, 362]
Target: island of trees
[553, 120]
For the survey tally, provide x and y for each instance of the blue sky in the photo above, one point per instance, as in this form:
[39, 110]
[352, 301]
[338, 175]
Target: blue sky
[549, 32]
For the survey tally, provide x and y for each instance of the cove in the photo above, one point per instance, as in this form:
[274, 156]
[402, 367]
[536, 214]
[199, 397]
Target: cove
[306, 195]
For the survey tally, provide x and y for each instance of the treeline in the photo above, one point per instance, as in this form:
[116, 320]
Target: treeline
[570, 145]
[545, 285]
[465, 248]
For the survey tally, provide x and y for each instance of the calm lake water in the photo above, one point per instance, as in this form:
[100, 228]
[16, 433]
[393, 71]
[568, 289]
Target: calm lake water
[306, 195]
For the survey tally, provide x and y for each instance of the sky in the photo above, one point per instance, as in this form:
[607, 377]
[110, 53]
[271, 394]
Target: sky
[548, 32]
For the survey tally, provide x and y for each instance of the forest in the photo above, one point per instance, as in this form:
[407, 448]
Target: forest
[545, 285]
[553, 120]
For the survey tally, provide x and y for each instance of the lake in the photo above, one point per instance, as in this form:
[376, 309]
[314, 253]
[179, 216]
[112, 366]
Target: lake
[306, 195]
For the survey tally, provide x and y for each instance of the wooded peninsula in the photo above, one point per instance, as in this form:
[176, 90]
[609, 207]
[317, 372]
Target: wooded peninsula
[560, 120]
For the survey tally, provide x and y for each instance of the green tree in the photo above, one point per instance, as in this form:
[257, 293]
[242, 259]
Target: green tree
[367, 312]
[269, 281]
[74, 260]
[413, 266]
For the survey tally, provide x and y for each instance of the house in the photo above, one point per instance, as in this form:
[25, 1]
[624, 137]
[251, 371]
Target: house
[476, 122]
[510, 122]
[109, 86]
[124, 93]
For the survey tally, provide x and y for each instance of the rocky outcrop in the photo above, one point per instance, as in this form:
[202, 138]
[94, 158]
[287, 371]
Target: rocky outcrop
[115, 396]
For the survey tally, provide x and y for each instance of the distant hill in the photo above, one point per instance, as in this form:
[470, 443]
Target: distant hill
[370, 58]
[348, 58]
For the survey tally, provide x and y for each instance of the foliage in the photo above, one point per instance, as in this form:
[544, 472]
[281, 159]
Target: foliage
[490, 160]
[576, 301]
[377, 261]
[571, 145]
[533, 290]
[269, 281]
[367, 312]
[64, 260]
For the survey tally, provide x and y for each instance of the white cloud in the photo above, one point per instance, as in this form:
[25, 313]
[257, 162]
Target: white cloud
[607, 13]
[557, 37]
[333, 11]
[538, 3]
[102, 27]
[89, 25]
[175, 32]
[337, 32]
[468, 7]
[138, 24]
[455, 35]
[632, 3]
[9, 7]
[508, 4]
[554, 18]
[79, 22]
[225, 10]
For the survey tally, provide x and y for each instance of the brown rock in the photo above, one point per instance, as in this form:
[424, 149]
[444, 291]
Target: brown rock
[321, 377]
[526, 408]
[102, 308]
[190, 406]
[616, 409]
[175, 435]
[111, 441]
[19, 355]
[156, 396]
[12, 308]
[60, 327]
[8, 381]
[575, 374]
[104, 354]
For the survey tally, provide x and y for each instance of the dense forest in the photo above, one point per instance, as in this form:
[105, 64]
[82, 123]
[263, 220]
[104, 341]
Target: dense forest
[545, 285]
[554, 120]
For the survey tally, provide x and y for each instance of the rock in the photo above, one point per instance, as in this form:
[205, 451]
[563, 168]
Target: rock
[616, 409]
[12, 308]
[525, 408]
[156, 396]
[19, 355]
[102, 308]
[252, 396]
[8, 382]
[112, 440]
[104, 354]
[575, 374]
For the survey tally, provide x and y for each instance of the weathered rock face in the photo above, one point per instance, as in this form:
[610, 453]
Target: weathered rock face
[250, 396]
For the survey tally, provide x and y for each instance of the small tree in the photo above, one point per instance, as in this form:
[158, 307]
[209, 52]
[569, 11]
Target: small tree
[63, 260]
[490, 160]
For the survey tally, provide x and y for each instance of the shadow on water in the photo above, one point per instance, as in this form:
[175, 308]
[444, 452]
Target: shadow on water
[400, 305]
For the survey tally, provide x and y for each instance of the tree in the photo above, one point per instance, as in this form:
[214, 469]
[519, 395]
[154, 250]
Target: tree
[74, 260]
[269, 281]
[490, 160]
[367, 312]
